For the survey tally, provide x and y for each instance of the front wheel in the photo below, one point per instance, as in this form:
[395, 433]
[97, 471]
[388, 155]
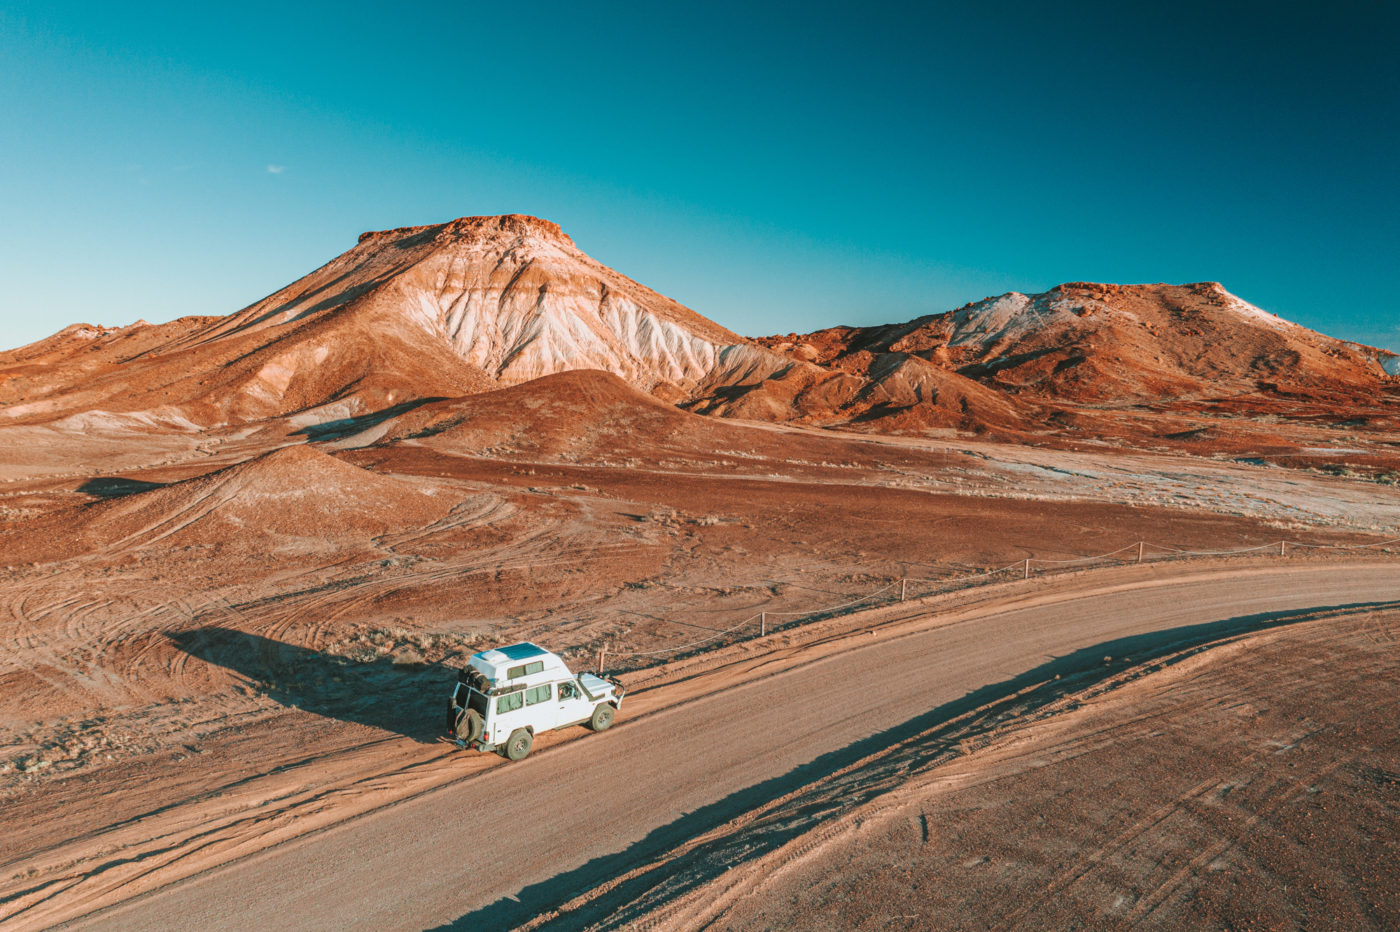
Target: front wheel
[602, 717]
[519, 743]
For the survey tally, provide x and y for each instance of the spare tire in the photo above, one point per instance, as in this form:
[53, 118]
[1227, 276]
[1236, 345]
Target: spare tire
[469, 725]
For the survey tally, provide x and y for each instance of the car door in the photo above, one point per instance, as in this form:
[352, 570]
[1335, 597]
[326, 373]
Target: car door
[572, 706]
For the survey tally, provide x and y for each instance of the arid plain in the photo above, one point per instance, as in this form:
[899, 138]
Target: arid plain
[1065, 610]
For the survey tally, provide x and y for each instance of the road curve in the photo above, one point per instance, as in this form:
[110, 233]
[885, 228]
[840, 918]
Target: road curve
[504, 844]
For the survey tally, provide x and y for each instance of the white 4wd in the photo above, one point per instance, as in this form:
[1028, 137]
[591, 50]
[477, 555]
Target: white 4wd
[506, 696]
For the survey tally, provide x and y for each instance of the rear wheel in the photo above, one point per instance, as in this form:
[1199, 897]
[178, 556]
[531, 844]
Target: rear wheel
[519, 743]
[602, 717]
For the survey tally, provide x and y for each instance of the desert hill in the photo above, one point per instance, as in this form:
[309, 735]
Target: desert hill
[412, 313]
[1096, 343]
[579, 412]
[421, 315]
[512, 295]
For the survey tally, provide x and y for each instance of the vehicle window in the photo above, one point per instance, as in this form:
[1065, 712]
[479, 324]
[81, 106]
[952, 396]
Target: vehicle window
[525, 669]
[537, 694]
[509, 702]
[566, 691]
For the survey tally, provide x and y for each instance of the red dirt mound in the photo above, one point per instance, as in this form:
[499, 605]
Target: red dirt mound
[570, 415]
[289, 500]
[884, 392]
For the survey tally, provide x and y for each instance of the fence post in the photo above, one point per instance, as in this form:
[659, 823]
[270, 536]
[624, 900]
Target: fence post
[1027, 573]
[762, 623]
[1283, 548]
[901, 589]
[1139, 551]
[602, 652]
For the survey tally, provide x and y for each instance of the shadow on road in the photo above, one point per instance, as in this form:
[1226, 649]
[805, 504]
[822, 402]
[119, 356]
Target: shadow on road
[824, 792]
[407, 699]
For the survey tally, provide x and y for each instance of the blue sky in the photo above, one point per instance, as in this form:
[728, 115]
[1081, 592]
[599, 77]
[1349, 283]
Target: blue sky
[774, 167]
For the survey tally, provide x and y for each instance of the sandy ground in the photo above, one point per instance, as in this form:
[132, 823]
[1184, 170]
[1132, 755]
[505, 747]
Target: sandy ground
[1249, 783]
[665, 815]
[217, 650]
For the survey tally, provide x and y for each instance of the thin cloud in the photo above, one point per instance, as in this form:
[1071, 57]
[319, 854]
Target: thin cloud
[276, 169]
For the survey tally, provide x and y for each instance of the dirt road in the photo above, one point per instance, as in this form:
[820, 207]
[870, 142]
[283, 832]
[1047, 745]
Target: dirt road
[502, 846]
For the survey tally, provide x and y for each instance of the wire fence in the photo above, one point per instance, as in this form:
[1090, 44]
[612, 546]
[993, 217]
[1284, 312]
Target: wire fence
[920, 587]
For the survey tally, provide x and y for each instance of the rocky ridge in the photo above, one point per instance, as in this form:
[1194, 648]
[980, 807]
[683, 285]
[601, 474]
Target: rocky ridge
[1087, 343]
[415, 314]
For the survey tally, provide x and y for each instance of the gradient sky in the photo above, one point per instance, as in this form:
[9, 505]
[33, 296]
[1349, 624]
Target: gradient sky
[775, 167]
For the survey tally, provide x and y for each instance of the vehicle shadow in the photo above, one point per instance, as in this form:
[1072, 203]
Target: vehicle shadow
[404, 698]
[822, 790]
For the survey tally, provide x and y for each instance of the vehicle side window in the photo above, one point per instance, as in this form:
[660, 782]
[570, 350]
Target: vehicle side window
[566, 691]
[537, 694]
[525, 669]
[509, 702]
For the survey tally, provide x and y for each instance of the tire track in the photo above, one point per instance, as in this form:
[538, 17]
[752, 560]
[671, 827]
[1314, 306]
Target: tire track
[1281, 794]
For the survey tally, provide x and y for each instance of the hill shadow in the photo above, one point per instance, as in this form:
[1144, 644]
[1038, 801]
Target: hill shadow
[879, 410]
[116, 486]
[345, 426]
[979, 370]
[406, 699]
[819, 791]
